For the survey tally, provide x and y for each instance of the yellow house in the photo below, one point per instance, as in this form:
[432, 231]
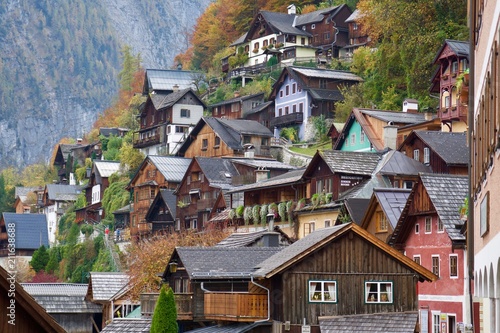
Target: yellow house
[312, 218]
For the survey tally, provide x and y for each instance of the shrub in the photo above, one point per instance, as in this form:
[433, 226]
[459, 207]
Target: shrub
[263, 214]
[165, 314]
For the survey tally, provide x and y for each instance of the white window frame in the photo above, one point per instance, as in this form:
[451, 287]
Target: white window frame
[186, 112]
[310, 227]
[456, 266]
[440, 226]
[417, 256]
[328, 223]
[353, 138]
[362, 137]
[416, 154]
[373, 297]
[427, 155]
[313, 26]
[417, 228]
[428, 222]
[323, 295]
[436, 321]
[436, 256]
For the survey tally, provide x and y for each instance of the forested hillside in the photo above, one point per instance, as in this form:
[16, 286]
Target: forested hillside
[59, 64]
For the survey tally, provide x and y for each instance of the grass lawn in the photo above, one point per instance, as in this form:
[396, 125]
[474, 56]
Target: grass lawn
[311, 150]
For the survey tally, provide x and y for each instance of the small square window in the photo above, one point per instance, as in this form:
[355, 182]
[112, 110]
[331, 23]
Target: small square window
[308, 228]
[378, 292]
[328, 223]
[185, 113]
[323, 291]
[416, 259]
[428, 224]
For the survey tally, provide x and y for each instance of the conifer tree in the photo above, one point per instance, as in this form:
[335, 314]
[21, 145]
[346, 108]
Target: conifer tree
[39, 259]
[165, 315]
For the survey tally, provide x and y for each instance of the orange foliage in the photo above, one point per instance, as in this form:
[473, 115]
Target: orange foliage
[148, 258]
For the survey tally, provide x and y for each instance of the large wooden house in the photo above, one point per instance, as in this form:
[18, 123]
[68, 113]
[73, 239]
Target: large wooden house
[66, 156]
[358, 36]
[94, 191]
[155, 173]
[165, 121]
[429, 232]
[443, 152]
[237, 107]
[450, 83]
[162, 212]
[218, 137]
[303, 92]
[331, 274]
[204, 180]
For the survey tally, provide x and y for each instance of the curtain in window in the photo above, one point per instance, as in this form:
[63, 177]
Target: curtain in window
[331, 291]
[312, 289]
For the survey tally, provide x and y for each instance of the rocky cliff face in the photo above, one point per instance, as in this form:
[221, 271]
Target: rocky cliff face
[59, 63]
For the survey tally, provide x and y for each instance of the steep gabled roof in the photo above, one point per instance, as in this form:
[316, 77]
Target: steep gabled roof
[460, 48]
[165, 100]
[397, 163]
[217, 170]
[317, 15]
[165, 79]
[391, 200]
[104, 285]
[450, 146]
[168, 197]
[221, 262]
[347, 162]
[172, 168]
[31, 230]
[107, 168]
[356, 207]
[302, 248]
[283, 23]
[60, 192]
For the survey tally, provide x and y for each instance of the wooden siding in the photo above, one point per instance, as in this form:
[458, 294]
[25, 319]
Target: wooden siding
[235, 306]
[211, 150]
[350, 261]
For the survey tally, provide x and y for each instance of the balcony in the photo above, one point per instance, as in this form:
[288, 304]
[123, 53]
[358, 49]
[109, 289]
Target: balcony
[184, 303]
[146, 140]
[453, 113]
[289, 119]
[235, 307]
[144, 228]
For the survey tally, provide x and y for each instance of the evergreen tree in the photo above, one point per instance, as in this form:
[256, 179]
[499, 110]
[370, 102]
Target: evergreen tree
[165, 315]
[39, 259]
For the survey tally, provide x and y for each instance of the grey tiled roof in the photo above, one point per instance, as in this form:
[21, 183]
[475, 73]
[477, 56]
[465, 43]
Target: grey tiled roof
[223, 262]
[104, 285]
[390, 322]
[281, 22]
[217, 170]
[263, 163]
[284, 179]
[397, 163]
[170, 200]
[392, 201]
[172, 168]
[162, 100]
[316, 16]
[460, 48]
[239, 99]
[165, 79]
[356, 208]
[107, 168]
[447, 193]
[395, 116]
[351, 162]
[327, 74]
[22, 192]
[59, 192]
[450, 146]
[295, 250]
[31, 230]
[232, 328]
[132, 325]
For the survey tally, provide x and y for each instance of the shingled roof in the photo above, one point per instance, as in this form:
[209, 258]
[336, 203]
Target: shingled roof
[31, 230]
[390, 322]
[125, 325]
[450, 146]
[104, 285]
[221, 262]
[60, 192]
[217, 170]
[289, 177]
[282, 23]
[392, 201]
[165, 100]
[107, 168]
[351, 162]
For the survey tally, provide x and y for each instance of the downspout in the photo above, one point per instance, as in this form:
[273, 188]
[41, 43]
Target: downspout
[470, 126]
[268, 300]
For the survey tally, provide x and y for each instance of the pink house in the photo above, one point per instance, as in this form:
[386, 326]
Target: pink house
[429, 232]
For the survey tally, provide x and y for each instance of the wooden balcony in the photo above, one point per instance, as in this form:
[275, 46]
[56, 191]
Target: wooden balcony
[144, 228]
[146, 141]
[184, 303]
[453, 113]
[239, 307]
[289, 119]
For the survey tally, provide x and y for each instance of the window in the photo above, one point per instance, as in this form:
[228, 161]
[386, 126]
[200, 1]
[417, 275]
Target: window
[281, 93]
[417, 228]
[440, 225]
[287, 109]
[484, 218]
[416, 259]
[301, 107]
[264, 141]
[303, 41]
[323, 291]
[327, 223]
[217, 141]
[378, 292]
[313, 26]
[408, 184]
[177, 224]
[247, 139]
[353, 138]
[454, 66]
[427, 155]
[354, 26]
[294, 88]
[216, 111]
[453, 265]
[322, 83]
[435, 323]
[280, 112]
[287, 90]
[204, 144]
[185, 113]
[180, 129]
[194, 224]
[381, 222]
[326, 35]
[416, 154]
[435, 265]
[308, 228]
[428, 224]
[294, 108]
[362, 137]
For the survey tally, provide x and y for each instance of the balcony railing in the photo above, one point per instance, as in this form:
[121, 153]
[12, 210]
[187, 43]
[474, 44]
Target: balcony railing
[184, 303]
[289, 119]
[458, 112]
[144, 228]
[235, 307]
[147, 140]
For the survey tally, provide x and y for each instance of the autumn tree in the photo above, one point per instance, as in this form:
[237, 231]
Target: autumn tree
[165, 314]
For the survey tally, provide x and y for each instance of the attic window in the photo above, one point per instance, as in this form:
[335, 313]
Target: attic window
[313, 26]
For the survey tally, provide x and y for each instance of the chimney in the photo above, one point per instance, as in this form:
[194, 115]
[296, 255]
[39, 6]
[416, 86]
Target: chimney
[428, 115]
[390, 136]
[175, 87]
[410, 105]
[261, 174]
[79, 141]
[270, 239]
[292, 10]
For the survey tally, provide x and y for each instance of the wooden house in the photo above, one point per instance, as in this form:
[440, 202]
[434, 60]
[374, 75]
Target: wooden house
[237, 107]
[334, 132]
[27, 231]
[20, 312]
[358, 36]
[155, 173]
[304, 92]
[199, 188]
[66, 156]
[429, 232]
[109, 289]
[400, 170]
[218, 137]
[25, 199]
[94, 191]
[383, 211]
[165, 121]
[443, 152]
[56, 200]
[162, 212]
[337, 272]
[262, 113]
[66, 303]
[375, 130]
[450, 83]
